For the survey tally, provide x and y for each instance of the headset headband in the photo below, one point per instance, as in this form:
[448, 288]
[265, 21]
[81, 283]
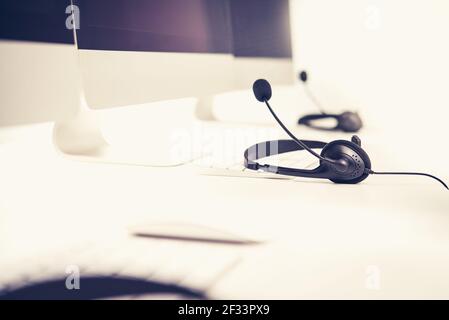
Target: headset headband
[275, 147]
[308, 119]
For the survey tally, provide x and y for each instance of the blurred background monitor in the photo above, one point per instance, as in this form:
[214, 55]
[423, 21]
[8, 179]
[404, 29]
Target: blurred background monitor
[132, 52]
[38, 62]
[137, 51]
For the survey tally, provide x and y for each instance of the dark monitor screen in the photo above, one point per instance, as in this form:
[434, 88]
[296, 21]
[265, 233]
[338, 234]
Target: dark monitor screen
[155, 25]
[261, 28]
[245, 28]
[35, 20]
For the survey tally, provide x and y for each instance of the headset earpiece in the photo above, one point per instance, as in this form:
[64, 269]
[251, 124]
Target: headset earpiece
[357, 159]
[349, 122]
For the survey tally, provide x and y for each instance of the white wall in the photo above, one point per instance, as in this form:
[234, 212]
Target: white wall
[387, 58]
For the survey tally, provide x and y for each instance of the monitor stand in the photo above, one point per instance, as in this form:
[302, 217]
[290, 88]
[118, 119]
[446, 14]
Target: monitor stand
[81, 138]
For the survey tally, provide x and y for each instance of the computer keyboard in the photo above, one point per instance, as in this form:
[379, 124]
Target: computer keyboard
[222, 154]
[213, 166]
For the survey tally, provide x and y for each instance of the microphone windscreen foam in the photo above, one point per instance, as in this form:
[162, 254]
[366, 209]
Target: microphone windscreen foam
[303, 76]
[262, 90]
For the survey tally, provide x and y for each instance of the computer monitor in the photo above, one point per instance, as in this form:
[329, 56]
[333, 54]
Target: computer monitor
[261, 40]
[38, 63]
[137, 51]
[132, 52]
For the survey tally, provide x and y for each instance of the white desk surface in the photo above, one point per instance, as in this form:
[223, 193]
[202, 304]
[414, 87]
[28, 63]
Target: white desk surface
[321, 240]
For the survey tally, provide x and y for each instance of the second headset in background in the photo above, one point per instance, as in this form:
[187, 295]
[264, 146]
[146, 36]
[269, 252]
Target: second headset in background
[347, 121]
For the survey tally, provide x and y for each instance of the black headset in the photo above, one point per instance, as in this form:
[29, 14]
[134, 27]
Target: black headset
[347, 121]
[341, 161]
